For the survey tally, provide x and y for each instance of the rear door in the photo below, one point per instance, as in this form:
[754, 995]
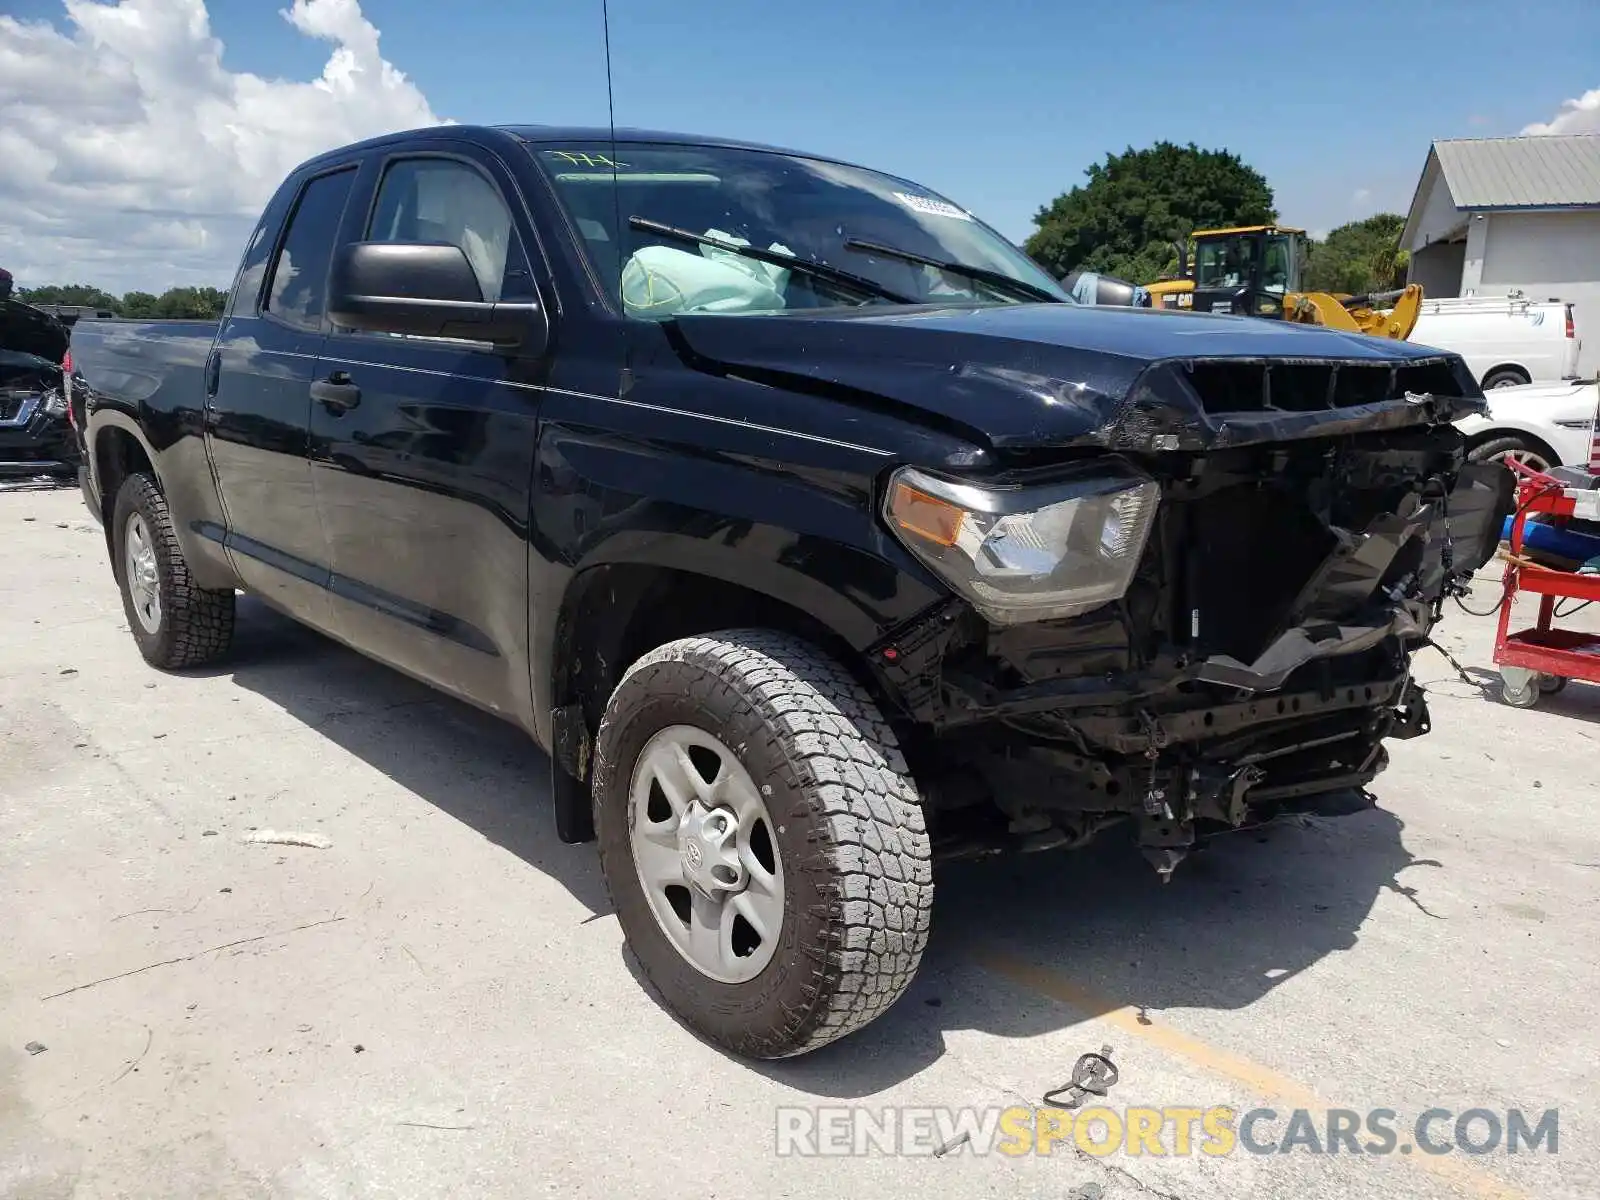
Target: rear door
[423, 482]
[258, 401]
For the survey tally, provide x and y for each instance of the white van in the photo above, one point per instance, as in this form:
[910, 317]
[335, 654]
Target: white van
[1506, 340]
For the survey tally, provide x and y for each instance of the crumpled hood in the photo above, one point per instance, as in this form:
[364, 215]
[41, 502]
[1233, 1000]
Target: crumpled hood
[1058, 375]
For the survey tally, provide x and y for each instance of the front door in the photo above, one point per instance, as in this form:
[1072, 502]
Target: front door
[258, 405]
[422, 452]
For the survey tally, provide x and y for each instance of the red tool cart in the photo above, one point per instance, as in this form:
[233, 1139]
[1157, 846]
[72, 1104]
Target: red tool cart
[1540, 661]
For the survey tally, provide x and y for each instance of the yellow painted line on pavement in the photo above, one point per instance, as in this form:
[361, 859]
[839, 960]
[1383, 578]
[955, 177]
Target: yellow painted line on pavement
[1259, 1080]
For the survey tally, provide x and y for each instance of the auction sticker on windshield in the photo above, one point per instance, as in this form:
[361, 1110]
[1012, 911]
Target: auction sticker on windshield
[934, 208]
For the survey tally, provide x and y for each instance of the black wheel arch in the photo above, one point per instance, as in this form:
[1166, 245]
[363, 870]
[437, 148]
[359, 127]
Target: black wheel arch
[117, 449]
[612, 613]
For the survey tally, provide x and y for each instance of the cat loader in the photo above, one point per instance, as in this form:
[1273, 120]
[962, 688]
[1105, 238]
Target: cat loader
[1257, 270]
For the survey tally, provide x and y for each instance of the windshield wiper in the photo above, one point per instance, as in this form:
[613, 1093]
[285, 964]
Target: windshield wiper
[845, 280]
[995, 279]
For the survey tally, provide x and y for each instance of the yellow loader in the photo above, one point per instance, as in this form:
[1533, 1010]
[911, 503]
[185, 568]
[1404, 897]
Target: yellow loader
[1257, 270]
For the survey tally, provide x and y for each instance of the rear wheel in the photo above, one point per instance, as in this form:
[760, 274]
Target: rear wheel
[175, 622]
[1523, 450]
[1504, 377]
[1551, 685]
[762, 840]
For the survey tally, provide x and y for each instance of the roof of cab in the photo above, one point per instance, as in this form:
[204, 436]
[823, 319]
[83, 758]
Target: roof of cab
[545, 134]
[552, 135]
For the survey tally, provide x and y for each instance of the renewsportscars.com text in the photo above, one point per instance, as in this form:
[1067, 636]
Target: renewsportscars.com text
[1174, 1131]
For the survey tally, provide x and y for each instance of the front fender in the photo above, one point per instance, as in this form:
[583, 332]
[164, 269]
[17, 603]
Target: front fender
[853, 593]
[856, 595]
[779, 513]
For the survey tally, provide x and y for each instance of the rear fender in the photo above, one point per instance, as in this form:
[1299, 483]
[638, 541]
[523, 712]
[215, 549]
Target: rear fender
[117, 445]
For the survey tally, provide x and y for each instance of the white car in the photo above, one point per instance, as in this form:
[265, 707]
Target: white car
[1539, 424]
[1506, 340]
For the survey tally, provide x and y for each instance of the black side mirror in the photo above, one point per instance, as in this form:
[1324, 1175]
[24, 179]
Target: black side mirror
[427, 289]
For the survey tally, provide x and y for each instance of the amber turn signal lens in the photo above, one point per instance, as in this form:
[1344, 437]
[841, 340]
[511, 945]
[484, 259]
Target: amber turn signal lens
[928, 517]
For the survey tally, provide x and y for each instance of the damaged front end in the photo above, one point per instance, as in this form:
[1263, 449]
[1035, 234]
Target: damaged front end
[36, 437]
[1206, 622]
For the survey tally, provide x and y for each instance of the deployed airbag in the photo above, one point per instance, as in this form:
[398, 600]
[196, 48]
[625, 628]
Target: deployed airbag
[662, 281]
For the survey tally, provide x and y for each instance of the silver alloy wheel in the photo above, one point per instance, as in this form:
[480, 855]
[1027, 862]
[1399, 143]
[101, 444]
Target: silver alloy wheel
[139, 564]
[706, 852]
[1528, 458]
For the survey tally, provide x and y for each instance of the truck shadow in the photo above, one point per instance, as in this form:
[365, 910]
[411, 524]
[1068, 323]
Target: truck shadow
[1033, 945]
[1252, 911]
[485, 772]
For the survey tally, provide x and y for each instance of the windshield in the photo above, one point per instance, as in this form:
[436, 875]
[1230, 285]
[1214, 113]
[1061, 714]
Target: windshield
[1225, 262]
[781, 204]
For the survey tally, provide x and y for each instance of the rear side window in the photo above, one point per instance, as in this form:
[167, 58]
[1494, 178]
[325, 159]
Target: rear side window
[298, 292]
[441, 200]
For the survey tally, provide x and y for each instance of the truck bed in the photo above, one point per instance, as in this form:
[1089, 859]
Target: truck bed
[136, 360]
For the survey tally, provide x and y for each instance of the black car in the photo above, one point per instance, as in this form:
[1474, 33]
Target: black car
[811, 527]
[36, 437]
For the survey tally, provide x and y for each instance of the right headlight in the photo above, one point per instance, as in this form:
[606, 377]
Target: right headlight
[1028, 553]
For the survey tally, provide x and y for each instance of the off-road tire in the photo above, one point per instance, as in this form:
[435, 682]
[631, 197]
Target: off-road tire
[849, 829]
[196, 623]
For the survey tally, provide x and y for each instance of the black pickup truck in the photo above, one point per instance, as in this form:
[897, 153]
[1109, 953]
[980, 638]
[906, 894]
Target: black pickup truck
[806, 522]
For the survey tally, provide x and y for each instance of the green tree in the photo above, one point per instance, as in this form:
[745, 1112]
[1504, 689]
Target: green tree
[1363, 256]
[1136, 204]
[68, 293]
[139, 305]
[190, 302]
[178, 302]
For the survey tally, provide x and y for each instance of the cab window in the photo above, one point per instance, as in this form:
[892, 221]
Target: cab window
[1275, 265]
[298, 292]
[1225, 263]
[444, 200]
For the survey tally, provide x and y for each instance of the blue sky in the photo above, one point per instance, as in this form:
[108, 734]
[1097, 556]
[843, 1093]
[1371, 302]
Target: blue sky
[1000, 104]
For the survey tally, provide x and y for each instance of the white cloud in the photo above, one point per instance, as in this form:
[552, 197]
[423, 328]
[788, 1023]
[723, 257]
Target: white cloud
[1361, 196]
[1576, 116]
[135, 159]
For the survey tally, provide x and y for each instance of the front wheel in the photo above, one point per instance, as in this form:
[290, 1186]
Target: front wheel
[1513, 448]
[175, 622]
[762, 840]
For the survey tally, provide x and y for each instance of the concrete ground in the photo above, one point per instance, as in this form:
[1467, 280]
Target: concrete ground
[440, 1003]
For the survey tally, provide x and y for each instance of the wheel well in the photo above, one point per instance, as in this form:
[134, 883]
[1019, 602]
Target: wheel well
[1518, 368]
[1532, 441]
[117, 454]
[613, 615]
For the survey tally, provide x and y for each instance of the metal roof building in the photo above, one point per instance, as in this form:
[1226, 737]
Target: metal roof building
[1522, 172]
[1496, 215]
